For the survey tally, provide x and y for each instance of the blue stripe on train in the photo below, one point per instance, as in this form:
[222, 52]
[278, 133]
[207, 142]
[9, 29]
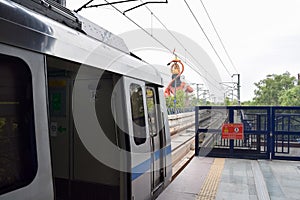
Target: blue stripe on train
[140, 169]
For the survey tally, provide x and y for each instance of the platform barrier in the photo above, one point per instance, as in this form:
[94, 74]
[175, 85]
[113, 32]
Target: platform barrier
[268, 132]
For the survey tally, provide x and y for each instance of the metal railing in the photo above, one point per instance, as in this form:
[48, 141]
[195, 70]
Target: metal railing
[172, 111]
[269, 132]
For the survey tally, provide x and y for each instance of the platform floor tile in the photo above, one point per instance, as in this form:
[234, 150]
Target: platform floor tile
[210, 186]
[237, 181]
[188, 184]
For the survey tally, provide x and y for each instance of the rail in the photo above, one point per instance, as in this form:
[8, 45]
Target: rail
[183, 148]
[183, 121]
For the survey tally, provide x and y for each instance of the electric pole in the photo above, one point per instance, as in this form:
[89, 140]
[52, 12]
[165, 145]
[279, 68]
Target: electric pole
[238, 88]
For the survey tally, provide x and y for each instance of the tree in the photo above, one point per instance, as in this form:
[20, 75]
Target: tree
[270, 90]
[183, 100]
[291, 97]
[229, 102]
[180, 99]
[193, 101]
[170, 101]
[248, 103]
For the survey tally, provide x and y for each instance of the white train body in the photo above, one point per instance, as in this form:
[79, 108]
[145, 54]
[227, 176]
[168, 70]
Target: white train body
[80, 116]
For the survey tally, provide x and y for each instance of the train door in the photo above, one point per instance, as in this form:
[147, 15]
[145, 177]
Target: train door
[84, 148]
[156, 139]
[61, 134]
[135, 96]
[25, 169]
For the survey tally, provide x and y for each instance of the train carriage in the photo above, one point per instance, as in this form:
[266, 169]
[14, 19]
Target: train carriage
[80, 116]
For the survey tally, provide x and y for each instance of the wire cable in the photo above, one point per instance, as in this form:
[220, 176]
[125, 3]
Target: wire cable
[207, 37]
[180, 43]
[218, 36]
[162, 44]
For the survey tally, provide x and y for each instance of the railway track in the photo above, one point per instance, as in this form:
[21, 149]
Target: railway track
[183, 136]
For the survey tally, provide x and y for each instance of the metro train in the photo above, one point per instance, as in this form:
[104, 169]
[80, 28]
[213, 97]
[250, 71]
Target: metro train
[81, 117]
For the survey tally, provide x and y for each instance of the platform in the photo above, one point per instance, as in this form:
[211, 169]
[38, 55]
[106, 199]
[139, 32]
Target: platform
[220, 178]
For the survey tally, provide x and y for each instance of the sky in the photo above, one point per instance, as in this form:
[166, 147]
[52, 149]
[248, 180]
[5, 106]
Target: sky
[261, 37]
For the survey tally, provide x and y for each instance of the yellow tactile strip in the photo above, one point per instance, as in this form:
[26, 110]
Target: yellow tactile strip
[210, 186]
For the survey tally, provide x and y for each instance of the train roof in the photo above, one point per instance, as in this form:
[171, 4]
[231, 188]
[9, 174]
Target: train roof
[47, 27]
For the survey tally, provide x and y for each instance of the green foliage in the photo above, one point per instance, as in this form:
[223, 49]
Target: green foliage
[193, 100]
[228, 102]
[248, 103]
[180, 100]
[183, 100]
[270, 90]
[169, 101]
[290, 97]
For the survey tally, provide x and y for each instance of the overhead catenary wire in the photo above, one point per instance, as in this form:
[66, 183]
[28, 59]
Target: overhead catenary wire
[86, 5]
[180, 43]
[161, 43]
[219, 36]
[191, 11]
[157, 18]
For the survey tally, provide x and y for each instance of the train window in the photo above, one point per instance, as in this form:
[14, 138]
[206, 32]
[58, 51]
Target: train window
[18, 163]
[152, 116]
[138, 114]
